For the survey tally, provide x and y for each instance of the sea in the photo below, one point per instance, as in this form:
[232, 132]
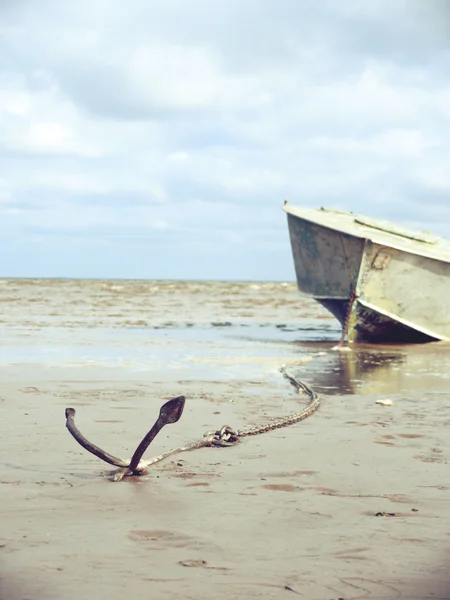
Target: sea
[201, 329]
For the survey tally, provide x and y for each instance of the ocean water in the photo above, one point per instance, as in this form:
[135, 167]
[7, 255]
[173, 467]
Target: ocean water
[202, 329]
[129, 323]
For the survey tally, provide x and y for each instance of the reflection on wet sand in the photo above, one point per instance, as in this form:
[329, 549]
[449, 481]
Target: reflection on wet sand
[381, 369]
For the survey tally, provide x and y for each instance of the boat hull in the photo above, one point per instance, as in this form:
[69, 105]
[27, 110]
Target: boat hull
[378, 293]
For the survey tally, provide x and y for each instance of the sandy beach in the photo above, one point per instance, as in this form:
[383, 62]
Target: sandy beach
[351, 503]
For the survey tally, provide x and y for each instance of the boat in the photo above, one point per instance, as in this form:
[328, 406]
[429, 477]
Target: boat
[383, 282]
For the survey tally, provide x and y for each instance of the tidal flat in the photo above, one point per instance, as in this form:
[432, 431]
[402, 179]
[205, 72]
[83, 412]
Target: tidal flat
[350, 503]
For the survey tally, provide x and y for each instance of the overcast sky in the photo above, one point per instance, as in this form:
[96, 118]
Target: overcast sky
[159, 138]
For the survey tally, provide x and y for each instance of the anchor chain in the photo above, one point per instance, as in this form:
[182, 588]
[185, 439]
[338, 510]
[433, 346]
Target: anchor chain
[227, 436]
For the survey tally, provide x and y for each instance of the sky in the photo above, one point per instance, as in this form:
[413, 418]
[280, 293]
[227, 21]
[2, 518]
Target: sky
[159, 139]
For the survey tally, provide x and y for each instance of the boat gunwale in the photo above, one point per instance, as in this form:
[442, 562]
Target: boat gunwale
[408, 246]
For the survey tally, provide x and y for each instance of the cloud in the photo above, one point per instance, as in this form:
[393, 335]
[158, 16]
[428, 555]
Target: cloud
[177, 130]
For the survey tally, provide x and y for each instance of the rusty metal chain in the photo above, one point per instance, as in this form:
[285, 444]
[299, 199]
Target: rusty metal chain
[227, 436]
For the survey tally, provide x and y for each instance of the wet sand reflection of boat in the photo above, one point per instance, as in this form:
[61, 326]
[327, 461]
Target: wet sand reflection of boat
[383, 282]
[414, 370]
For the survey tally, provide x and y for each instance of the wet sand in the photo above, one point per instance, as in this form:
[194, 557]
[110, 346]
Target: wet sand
[350, 503]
